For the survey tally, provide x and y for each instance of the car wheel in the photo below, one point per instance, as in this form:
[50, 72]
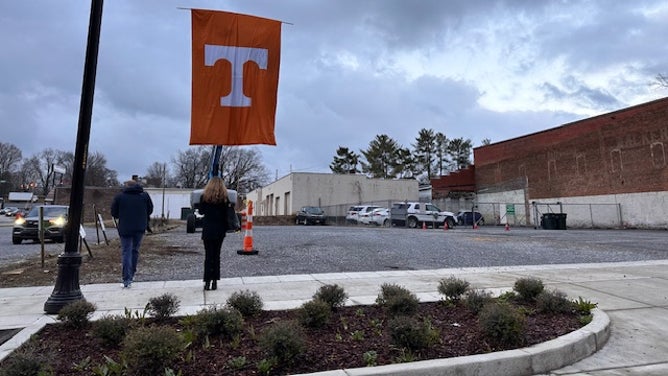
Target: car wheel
[412, 222]
[386, 223]
[16, 240]
[481, 222]
[450, 222]
[190, 224]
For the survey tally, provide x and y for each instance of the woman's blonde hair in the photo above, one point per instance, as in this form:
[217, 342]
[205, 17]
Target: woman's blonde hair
[215, 191]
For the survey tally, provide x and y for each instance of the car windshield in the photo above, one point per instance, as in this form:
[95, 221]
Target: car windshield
[49, 211]
[313, 210]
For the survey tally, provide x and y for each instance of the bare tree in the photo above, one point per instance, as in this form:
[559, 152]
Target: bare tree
[662, 80]
[242, 169]
[191, 167]
[157, 175]
[38, 171]
[10, 159]
[97, 173]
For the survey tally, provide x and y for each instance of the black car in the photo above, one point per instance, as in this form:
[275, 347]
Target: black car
[311, 215]
[465, 218]
[54, 221]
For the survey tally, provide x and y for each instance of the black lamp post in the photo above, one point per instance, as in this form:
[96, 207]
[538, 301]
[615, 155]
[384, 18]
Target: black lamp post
[67, 283]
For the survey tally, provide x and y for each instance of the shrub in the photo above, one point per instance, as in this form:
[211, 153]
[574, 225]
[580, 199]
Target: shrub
[111, 330]
[334, 295]
[283, 340]
[397, 299]
[476, 299]
[163, 306]
[528, 288]
[453, 288]
[225, 322]
[149, 350]
[553, 302]
[248, 303]
[583, 307]
[409, 333]
[76, 314]
[314, 313]
[502, 324]
[370, 358]
[26, 361]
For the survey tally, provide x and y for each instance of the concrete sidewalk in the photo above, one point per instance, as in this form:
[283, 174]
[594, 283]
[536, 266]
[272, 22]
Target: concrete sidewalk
[633, 295]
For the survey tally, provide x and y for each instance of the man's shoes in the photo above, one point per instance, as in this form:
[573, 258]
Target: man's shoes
[214, 285]
[207, 285]
[127, 285]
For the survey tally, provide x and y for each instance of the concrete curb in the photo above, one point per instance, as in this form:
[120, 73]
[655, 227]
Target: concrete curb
[534, 360]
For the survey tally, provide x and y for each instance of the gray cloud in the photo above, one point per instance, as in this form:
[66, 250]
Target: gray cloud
[344, 74]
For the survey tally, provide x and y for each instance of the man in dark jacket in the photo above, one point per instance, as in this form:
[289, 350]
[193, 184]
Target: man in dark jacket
[131, 208]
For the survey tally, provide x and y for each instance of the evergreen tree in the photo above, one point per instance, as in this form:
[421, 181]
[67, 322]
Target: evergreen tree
[406, 167]
[460, 152]
[425, 151]
[441, 153]
[345, 161]
[381, 157]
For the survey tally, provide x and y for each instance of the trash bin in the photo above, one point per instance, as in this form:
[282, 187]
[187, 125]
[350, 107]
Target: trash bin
[185, 212]
[548, 221]
[560, 221]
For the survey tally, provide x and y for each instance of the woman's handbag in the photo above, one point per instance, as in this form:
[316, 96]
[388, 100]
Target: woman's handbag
[232, 219]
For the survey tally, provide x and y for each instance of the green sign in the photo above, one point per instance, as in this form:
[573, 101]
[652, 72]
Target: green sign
[510, 208]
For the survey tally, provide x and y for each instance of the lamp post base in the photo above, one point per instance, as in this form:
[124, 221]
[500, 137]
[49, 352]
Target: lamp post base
[67, 284]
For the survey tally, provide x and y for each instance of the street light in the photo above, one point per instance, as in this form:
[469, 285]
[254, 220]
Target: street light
[67, 289]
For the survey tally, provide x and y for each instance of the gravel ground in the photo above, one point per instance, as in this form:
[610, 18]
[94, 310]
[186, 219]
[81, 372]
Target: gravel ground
[331, 249]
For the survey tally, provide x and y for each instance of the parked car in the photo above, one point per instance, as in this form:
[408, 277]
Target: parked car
[356, 213]
[465, 218]
[311, 215]
[351, 214]
[380, 217]
[415, 214]
[54, 221]
[10, 211]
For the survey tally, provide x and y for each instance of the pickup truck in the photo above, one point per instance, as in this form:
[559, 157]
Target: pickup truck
[415, 214]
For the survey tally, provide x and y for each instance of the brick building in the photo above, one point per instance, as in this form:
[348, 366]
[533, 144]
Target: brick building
[610, 170]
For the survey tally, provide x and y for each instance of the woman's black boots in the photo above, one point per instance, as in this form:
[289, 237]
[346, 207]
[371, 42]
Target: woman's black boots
[214, 285]
[207, 285]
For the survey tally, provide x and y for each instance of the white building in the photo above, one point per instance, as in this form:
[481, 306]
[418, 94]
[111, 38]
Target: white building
[286, 195]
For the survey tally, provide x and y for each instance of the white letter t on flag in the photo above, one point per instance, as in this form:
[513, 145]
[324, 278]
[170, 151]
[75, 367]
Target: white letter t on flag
[237, 56]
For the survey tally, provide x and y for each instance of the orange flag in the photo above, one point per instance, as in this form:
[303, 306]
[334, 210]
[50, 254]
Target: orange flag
[235, 78]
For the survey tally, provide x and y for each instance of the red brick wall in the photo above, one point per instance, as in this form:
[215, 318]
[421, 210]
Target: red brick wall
[625, 151]
[458, 181]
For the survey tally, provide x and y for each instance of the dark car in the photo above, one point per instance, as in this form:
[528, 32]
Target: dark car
[465, 218]
[311, 215]
[54, 221]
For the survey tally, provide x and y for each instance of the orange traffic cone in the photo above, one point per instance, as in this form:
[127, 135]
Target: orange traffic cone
[507, 227]
[248, 237]
[424, 225]
[445, 226]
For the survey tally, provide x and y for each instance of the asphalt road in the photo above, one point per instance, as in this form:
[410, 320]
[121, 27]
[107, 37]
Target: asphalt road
[333, 249]
[14, 252]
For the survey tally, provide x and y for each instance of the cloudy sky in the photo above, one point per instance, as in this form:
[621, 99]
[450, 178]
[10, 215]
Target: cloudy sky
[350, 70]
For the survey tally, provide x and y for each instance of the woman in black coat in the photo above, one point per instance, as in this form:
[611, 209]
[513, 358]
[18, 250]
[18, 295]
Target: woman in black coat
[213, 206]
